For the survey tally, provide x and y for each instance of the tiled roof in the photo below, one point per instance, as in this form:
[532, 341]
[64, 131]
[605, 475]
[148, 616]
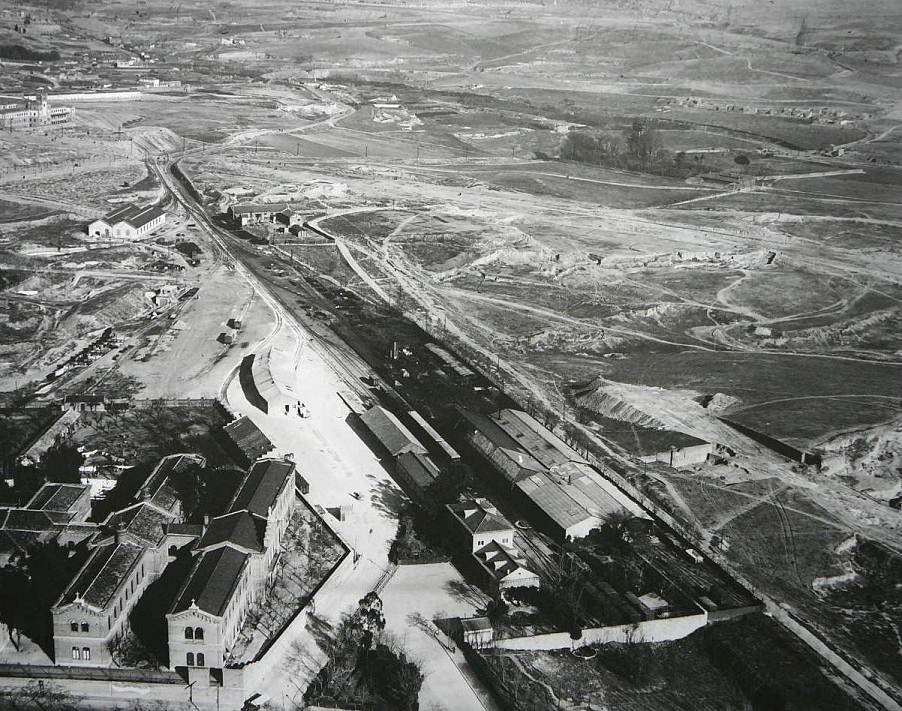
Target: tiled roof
[31, 520]
[261, 486]
[479, 517]
[146, 524]
[238, 528]
[185, 529]
[56, 497]
[158, 488]
[14, 542]
[212, 581]
[500, 560]
[103, 574]
[247, 436]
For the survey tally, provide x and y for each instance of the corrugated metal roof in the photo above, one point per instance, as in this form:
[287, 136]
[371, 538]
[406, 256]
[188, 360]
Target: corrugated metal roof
[449, 451]
[145, 215]
[389, 430]
[419, 467]
[546, 447]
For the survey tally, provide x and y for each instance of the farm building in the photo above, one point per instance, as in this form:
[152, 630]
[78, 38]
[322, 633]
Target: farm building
[128, 222]
[566, 495]
[390, 432]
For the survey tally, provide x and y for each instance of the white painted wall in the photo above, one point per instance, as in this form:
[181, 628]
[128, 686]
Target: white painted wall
[661, 630]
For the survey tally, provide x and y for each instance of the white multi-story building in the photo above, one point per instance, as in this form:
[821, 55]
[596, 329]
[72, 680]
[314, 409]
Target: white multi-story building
[32, 112]
[128, 222]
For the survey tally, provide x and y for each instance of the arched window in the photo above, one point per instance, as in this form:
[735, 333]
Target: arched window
[199, 633]
[75, 653]
[190, 659]
[189, 633]
[200, 659]
[173, 551]
[86, 653]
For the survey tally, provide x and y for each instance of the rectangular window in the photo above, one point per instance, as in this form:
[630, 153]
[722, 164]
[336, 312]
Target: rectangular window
[73, 626]
[85, 627]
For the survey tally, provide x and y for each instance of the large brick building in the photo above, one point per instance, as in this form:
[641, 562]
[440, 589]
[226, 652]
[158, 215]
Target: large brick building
[235, 558]
[129, 550]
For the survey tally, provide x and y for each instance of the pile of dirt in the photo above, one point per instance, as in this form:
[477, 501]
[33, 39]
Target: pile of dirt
[601, 400]
[871, 457]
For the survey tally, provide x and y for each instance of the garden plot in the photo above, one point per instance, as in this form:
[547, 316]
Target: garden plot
[310, 552]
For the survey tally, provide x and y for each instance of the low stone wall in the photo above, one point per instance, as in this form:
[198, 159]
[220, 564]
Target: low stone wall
[661, 630]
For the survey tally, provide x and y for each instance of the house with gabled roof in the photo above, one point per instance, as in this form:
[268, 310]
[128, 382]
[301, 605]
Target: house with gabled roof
[480, 523]
[504, 567]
